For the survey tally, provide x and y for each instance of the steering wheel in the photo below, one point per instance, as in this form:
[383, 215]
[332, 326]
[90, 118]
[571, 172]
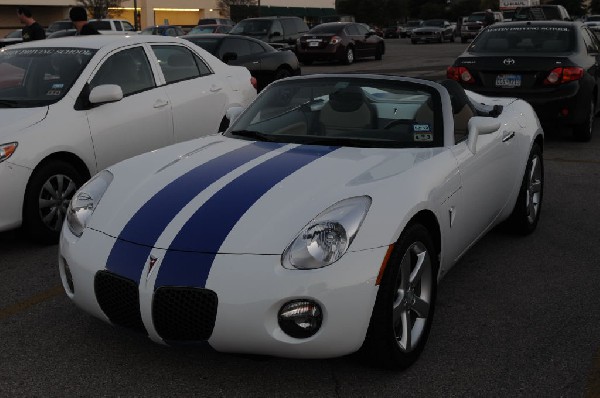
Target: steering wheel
[398, 122]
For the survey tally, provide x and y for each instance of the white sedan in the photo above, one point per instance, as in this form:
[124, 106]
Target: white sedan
[317, 225]
[71, 107]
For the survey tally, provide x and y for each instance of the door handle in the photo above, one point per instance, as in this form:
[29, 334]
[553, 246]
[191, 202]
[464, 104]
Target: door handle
[160, 103]
[214, 88]
[508, 136]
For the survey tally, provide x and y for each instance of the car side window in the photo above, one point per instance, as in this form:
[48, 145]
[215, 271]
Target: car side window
[176, 62]
[276, 28]
[202, 66]
[234, 45]
[127, 26]
[352, 30]
[129, 69]
[362, 31]
[256, 48]
[289, 27]
[118, 26]
[590, 43]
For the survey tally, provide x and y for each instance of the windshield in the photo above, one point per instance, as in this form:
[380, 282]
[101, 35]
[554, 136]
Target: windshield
[210, 44]
[434, 22]
[525, 39]
[203, 29]
[252, 27]
[413, 24]
[476, 18]
[327, 28]
[348, 111]
[31, 77]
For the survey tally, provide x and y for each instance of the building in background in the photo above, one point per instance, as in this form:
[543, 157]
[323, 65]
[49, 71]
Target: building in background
[157, 12]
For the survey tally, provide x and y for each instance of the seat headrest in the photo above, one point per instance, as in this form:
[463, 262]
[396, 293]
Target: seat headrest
[347, 99]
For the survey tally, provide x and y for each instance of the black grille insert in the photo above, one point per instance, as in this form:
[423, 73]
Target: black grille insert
[184, 313]
[119, 299]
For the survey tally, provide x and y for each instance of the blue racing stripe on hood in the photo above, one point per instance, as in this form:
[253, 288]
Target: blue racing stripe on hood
[191, 254]
[152, 218]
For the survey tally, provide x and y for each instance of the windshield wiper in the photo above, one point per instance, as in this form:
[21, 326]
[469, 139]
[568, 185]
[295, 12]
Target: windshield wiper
[253, 134]
[8, 104]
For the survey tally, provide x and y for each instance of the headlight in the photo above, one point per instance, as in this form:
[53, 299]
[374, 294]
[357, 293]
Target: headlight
[6, 150]
[85, 201]
[327, 237]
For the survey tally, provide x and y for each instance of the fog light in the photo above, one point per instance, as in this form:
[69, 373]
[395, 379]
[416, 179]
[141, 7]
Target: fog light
[300, 318]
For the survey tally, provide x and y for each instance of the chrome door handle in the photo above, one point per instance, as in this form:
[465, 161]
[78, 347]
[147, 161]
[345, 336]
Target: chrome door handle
[508, 136]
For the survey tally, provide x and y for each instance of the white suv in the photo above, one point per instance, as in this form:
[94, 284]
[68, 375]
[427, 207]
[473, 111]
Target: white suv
[116, 26]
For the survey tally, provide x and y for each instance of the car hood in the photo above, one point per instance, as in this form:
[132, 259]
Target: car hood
[13, 120]
[218, 194]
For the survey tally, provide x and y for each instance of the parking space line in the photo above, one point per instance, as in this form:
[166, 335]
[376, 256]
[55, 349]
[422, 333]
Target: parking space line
[572, 160]
[30, 302]
[593, 388]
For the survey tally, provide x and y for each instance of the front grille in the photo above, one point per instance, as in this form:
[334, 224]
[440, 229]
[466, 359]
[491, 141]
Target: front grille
[184, 313]
[119, 298]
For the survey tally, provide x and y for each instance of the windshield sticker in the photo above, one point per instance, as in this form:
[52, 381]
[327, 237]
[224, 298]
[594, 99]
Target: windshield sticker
[53, 92]
[530, 29]
[57, 86]
[417, 128]
[49, 51]
[423, 137]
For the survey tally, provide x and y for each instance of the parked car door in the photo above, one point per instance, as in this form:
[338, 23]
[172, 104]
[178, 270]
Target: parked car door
[365, 41]
[196, 93]
[141, 121]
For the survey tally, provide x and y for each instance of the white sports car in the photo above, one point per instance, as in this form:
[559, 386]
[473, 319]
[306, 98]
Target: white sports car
[319, 223]
[71, 107]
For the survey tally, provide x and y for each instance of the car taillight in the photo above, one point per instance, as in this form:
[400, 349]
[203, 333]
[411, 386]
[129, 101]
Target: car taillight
[460, 74]
[335, 40]
[253, 82]
[562, 75]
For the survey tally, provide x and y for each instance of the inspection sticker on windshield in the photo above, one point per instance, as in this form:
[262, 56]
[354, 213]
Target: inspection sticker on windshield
[53, 92]
[57, 86]
[422, 133]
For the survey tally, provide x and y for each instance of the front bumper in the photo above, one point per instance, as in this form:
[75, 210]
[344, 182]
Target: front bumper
[13, 181]
[250, 290]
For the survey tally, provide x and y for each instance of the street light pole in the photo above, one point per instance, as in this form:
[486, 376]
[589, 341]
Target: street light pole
[135, 16]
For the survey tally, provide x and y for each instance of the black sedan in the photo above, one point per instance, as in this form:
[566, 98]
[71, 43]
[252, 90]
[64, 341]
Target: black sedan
[553, 65]
[264, 62]
[433, 30]
[341, 41]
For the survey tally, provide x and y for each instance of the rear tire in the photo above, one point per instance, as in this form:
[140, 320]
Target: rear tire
[348, 56]
[379, 52]
[526, 213]
[282, 73]
[405, 303]
[583, 131]
[47, 198]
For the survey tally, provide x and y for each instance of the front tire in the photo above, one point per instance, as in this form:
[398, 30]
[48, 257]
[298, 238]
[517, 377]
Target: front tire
[348, 56]
[526, 213]
[47, 198]
[405, 303]
[583, 131]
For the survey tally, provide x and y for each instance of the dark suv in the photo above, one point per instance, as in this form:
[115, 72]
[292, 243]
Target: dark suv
[277, 31]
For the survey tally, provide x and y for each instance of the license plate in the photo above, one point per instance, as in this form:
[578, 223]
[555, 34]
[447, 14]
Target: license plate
[313, 44]
[508, 81]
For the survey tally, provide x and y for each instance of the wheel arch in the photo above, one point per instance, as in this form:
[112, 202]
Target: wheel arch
[428, 219]
[67, 157]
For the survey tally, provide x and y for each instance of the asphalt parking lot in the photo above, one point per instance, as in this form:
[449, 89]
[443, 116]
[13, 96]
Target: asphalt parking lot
[517, 316]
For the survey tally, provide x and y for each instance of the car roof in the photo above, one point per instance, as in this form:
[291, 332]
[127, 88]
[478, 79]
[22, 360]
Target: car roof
[98, 41]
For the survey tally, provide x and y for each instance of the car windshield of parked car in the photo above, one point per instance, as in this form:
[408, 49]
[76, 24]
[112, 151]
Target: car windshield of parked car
[31, 77]
[16, 34]
[413, 24]
[434, 22]
[202, 29]
[526, 39]
[208, 43]
[327, 28]
[251, 27]
[476, 18]
[359, 112]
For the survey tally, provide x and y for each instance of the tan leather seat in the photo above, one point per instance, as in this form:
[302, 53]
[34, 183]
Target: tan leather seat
[348, 109]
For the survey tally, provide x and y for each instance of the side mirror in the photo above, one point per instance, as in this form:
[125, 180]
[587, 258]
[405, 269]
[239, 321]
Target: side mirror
[228, 57]
[106, 93]
[233, 113]
[479, 125]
